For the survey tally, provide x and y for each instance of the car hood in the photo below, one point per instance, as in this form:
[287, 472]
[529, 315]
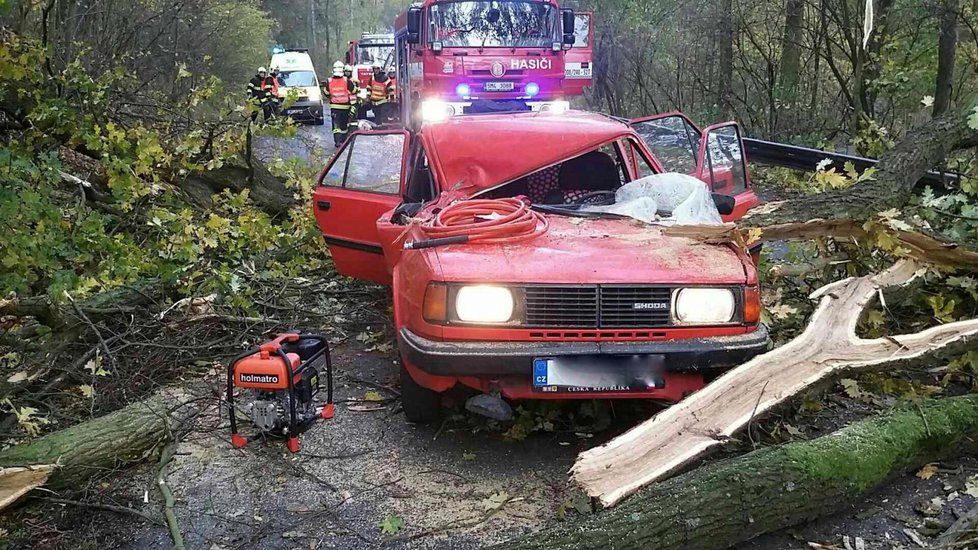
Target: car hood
[589, 251]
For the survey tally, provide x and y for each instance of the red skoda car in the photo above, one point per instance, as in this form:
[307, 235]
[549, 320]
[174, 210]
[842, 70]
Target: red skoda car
[528, 259]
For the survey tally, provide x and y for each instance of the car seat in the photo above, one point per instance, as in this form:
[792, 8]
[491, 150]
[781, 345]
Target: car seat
[590, 172]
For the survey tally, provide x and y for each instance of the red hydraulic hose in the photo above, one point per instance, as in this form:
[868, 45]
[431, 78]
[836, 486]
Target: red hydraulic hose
[487, 221]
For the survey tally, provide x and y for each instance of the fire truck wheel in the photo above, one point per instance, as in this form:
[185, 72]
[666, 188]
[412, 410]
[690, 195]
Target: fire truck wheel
[421, 405]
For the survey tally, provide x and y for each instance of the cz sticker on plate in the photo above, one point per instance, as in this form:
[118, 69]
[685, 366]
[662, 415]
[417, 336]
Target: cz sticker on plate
[598, 373]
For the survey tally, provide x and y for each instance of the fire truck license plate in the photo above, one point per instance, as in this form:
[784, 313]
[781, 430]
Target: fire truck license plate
[598, 373]
[499, 86]
[577, 70]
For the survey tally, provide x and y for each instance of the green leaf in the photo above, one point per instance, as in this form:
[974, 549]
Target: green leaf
[973, 119]
[391, 525]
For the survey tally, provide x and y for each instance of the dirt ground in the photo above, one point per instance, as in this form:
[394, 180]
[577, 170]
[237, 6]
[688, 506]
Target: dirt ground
[460, 484]
[444, 484]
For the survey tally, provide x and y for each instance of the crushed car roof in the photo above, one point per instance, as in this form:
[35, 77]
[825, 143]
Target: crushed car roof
[478, 152]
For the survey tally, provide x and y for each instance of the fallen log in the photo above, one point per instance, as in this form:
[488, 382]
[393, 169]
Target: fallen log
[735, 500]
[827, 348]
[123, 437]
[917, 245]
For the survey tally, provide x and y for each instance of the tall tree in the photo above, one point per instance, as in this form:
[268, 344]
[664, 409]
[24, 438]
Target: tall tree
[947, 47]
[725, 46]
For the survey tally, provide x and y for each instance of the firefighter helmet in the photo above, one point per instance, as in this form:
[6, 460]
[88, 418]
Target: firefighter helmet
[338, 71]
[261, 70]
[338, 65]
[378, 66]
[348, 68]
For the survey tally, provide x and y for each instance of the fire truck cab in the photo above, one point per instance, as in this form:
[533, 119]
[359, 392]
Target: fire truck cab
[468, 56]
[370, 49]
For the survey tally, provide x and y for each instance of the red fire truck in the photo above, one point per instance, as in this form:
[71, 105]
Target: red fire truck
[464, 56]
[370, 49]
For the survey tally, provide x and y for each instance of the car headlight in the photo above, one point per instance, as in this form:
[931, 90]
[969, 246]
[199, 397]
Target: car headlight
[484, 304]
[703, 306]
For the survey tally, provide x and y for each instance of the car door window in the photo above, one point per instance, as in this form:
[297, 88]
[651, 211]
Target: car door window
[725, 161]
[375, 163]
[334, 176]
[673, 141]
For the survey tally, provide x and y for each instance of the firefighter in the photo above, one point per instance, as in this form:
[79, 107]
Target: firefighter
[340, 103]
[380, 94]
[275, 81]
[355, 83]
[259, 89]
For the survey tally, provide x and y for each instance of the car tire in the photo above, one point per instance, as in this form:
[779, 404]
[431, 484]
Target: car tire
[421, 405]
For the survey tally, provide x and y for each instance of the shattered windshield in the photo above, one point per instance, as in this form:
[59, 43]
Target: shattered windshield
[368, 55]
[494, 24]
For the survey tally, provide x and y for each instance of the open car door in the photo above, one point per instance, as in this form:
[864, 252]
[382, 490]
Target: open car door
[714, 155]
[363, 181]
[722, 164]
[579, 60]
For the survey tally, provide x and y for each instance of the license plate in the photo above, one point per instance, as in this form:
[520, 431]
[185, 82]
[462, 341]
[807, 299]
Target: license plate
[577, 70]
[598, 373]
[499, 86]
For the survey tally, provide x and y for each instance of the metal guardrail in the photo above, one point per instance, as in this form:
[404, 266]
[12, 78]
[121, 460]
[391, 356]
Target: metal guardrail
[804, 158]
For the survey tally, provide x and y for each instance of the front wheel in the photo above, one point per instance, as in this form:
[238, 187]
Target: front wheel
[421, 405]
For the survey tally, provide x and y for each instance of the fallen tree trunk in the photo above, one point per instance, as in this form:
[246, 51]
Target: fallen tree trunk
[123, 437]
[828, 347]
[920, 246]
[735, 500]
[898, 171]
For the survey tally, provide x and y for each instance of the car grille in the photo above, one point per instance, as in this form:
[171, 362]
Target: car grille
[593, 306]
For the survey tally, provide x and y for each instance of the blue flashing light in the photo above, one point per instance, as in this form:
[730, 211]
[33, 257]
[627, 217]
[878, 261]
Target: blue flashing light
[463, 90]
[532, 89]
[278, 49]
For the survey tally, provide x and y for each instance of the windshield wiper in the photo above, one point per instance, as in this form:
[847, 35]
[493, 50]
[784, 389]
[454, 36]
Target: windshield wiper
[573, 211]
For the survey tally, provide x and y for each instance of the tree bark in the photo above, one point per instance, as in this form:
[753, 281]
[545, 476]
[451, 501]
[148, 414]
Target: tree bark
[725, 96]
[827, 348]
[123, 437]
[791, 49]
[267, 191]
[898, 171]
[947, 46]
[735, 500]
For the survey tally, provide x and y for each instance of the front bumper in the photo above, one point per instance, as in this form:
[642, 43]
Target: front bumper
[305, 111]
[516, 358]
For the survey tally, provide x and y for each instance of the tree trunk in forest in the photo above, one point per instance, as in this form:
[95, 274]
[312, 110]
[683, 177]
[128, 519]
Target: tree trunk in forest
[827, 348]
[791, 49]
[725, 97]
[735, 500]
[946, 56]
[123, 437]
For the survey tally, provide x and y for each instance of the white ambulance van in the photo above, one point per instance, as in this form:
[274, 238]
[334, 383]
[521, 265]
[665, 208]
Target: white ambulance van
[296, 72]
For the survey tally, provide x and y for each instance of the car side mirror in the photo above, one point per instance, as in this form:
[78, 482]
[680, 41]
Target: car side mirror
[568, 24]
[725, 204]
[413, 25]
